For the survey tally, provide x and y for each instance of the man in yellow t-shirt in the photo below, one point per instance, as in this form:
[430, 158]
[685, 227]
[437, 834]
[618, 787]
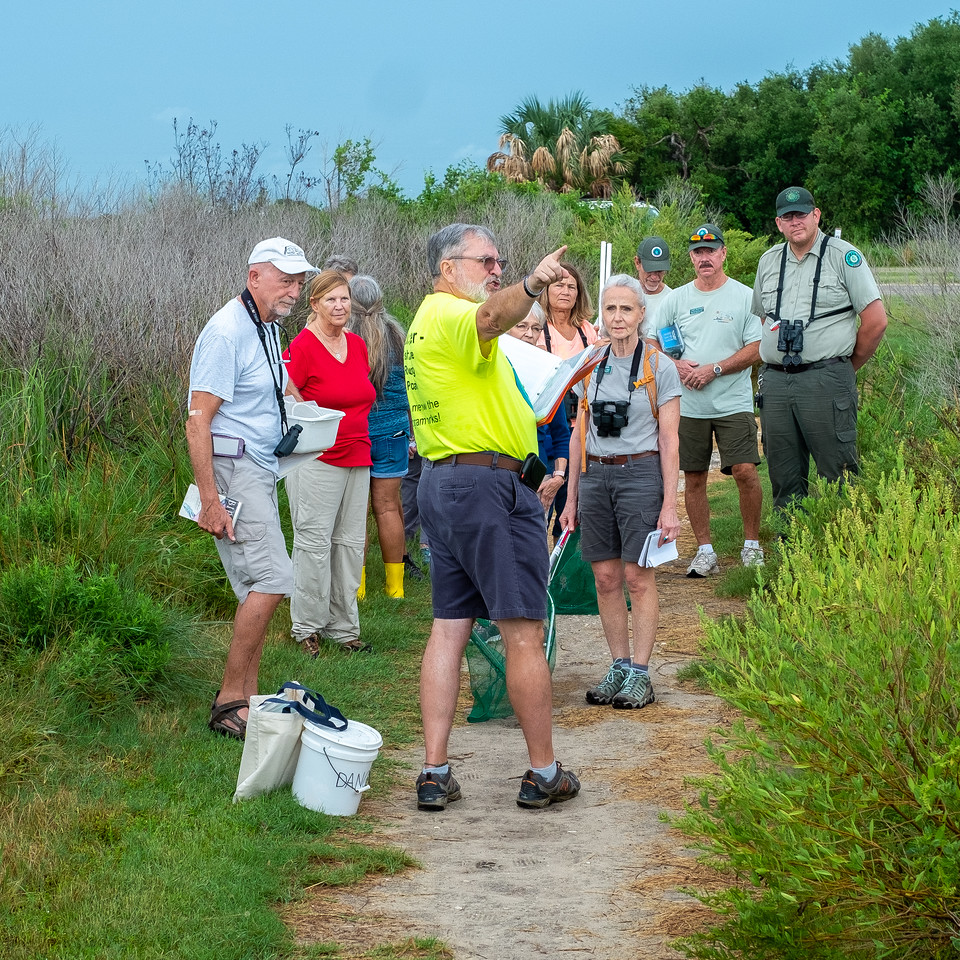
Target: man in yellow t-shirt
[474, 427]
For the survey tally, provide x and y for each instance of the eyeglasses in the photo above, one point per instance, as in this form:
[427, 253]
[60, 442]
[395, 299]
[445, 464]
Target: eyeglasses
[704, 236]
[794, 215]
[487, 262]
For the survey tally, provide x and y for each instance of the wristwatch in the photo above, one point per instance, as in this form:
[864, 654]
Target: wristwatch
[717, 369]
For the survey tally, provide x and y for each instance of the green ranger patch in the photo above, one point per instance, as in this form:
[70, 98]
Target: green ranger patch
[853, 259]
[793, 196]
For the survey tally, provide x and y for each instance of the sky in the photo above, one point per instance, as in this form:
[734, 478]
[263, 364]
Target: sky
[426, 81]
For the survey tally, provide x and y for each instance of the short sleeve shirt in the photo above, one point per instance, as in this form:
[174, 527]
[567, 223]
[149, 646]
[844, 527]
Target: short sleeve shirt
[460, 400]
[346, 386]
[847, 285]
[715, 324]
[230, 362]
[652, 303]
[561, 347]
[642, 431]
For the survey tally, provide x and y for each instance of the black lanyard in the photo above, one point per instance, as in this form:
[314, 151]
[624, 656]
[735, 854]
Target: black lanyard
[816, 287]
[546, 337]
[634, 370]
[272, 353]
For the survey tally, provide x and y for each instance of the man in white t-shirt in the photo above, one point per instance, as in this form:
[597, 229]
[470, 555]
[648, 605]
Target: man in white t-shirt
[237, 379]
[653, 263]
[721, 337]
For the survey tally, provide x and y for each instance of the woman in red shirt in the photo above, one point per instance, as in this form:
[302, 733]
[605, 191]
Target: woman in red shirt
[328, 495]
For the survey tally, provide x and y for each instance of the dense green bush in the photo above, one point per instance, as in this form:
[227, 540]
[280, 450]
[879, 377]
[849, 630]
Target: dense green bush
[836, 810]
[112, 641]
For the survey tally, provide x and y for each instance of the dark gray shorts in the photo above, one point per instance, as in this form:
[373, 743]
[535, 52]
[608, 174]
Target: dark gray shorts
[736, 441]
[488, 546]
[619, 506]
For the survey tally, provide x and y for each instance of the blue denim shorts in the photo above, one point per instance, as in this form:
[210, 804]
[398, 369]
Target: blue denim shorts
[390, 456]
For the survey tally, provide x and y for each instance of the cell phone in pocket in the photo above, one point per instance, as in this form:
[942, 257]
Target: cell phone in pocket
[532, 471]
[227, 446]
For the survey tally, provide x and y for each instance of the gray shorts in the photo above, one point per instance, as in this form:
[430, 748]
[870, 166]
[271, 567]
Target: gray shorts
[258, 560]
[619, 506]
[736, 442]
[488, 547]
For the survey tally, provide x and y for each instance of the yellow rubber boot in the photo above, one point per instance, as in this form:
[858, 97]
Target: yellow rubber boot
[394, 573]
[362, 589]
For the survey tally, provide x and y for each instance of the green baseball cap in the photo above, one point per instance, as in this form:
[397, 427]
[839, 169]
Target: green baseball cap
[794, 200]
[654, 254]
[709, 235]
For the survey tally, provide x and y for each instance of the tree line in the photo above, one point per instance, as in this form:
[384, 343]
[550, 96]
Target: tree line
[861, 134]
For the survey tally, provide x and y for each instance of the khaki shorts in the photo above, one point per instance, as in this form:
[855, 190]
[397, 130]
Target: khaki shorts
[736, 442]
[258, 559]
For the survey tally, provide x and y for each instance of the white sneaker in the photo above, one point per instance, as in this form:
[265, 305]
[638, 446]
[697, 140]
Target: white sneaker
[752, 556]
[703, 565]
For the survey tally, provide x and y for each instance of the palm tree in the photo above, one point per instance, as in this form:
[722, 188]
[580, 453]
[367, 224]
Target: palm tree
[565, 145]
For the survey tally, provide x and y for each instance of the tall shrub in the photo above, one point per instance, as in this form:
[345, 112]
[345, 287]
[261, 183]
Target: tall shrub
[836, 809]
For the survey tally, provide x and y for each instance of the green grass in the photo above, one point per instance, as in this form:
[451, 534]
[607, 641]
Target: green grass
[118, 833]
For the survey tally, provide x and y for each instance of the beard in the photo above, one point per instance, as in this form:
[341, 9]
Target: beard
[477, 292]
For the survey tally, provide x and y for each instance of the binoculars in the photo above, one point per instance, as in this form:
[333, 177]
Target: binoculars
[790, 339]
[610, 416]
[289, 442]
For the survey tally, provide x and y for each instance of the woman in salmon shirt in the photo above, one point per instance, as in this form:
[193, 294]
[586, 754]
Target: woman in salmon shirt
[568, 330]
[566, 303]
[328, 495]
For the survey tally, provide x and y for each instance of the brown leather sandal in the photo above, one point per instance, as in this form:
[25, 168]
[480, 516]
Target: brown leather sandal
[225, 719]
[311, 645]
[353, 646]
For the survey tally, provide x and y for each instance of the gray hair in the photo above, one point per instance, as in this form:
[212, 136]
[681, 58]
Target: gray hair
[450, 242]
[537, 311]
[341, 263]
[380, 331]
[623, 280]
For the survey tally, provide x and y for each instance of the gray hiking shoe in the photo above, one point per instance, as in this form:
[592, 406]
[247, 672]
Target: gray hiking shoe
[537, 792]
[434, 791]
[752, 556]
[636, 692]
[703, 565]
[609, 686]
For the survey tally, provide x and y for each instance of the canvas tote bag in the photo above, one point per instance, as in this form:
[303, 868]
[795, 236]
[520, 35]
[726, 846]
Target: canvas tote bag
[271, 747]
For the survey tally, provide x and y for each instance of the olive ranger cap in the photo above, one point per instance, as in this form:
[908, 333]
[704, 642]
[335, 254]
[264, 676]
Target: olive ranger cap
[709, 235]
[794, 200]
[654, 254]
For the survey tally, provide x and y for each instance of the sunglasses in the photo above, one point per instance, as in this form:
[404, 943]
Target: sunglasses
[704, 236]
[487, 262]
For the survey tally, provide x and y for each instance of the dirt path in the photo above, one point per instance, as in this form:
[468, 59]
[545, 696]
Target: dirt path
[595, 877]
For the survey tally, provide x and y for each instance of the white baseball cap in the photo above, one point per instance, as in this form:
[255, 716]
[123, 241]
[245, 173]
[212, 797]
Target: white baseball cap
[283, 254]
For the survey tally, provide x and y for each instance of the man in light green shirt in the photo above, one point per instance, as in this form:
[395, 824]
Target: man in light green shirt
[721, 338]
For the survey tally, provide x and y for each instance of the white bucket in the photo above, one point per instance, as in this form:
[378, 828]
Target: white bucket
[320, 426]
[334, 766]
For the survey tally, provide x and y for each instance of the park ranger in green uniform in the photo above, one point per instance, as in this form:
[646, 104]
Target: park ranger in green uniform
[809, 292]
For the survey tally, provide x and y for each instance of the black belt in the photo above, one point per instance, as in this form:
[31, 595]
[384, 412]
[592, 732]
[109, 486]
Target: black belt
[801, 367]
[622, 458]
[499, 461]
